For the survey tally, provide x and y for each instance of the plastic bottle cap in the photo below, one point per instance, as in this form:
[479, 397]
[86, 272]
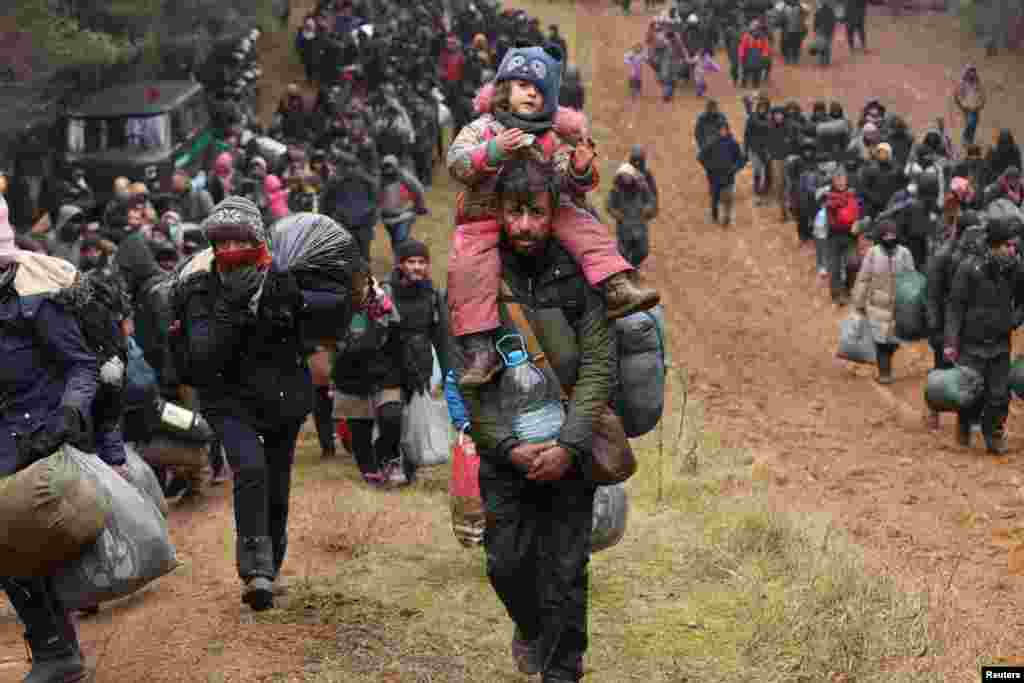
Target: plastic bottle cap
[516, 357]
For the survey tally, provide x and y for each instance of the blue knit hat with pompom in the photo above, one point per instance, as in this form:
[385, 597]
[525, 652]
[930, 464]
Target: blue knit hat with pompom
[541, 66]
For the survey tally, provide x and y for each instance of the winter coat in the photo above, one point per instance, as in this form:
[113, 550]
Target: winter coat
[370, 357]
[875, 290]
[277, 197]
[584, 362]
[47, 364]
[835, 202]
[194, 205]
[980, 313]
[243, 368]
[825, 21]
[707, 127]
[940, 272]
[757, 134]
[879, 182]
[390, 200]
[749, 42]
[722, 159]
[469, 159]
[422, 323]
[351, 198]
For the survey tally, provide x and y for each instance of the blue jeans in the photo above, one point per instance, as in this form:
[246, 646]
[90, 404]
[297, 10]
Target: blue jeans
[399, 233]
[970, 127]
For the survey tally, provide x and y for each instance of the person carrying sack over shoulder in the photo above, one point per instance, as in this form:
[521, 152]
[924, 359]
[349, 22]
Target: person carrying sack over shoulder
[48, 383]
[538, 496]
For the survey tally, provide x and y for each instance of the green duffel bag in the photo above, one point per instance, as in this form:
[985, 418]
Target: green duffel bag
[1017, 377]
[49, 513]
[911, 292]
[954, 389]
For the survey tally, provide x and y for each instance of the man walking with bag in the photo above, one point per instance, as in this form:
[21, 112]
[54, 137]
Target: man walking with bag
[538, 502]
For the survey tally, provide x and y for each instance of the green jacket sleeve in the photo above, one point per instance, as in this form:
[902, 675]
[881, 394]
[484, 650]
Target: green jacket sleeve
[594, 378]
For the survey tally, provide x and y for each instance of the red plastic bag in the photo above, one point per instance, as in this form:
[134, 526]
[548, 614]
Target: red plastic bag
[464, 492]
[344, 433]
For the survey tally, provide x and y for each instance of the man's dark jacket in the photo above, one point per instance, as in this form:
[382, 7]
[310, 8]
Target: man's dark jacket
[980, 315]
[546, 285]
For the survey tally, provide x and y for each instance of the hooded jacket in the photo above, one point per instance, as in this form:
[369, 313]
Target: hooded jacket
[47, 363]
[980, 313]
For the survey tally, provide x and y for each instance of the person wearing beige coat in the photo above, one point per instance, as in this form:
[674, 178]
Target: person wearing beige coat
[874, 294]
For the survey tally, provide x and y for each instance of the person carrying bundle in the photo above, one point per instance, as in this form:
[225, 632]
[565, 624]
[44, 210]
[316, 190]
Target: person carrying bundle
[48, 380]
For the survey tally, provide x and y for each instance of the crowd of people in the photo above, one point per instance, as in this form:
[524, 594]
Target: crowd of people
[876, 200]
[188, 277]
[682, 40]
[184, 282]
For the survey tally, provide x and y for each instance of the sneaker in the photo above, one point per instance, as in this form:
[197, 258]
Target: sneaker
[623, 296]
[259, 593]
[997, 444]
[963, 436]
[525, 654]
[394, 474]
[375, 479]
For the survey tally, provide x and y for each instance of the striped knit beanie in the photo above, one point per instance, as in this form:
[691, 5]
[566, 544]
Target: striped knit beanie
[235, 218]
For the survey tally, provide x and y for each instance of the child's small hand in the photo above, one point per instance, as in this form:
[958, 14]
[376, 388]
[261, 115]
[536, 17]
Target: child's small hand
[583, 155]
[509, 140]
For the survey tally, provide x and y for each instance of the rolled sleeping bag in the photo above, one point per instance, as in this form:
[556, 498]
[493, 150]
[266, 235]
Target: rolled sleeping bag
[639, 397]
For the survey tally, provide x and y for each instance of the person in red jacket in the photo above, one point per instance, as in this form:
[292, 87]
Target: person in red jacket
[843, 213]
[451, 65]
[755, 55]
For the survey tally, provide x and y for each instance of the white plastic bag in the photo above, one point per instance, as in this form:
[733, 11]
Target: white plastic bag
[611, 510]
[133, 550]
[821, 224]
[142, 476]
[426, 439]
[856, 342]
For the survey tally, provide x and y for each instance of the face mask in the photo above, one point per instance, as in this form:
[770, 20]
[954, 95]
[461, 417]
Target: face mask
[240, 258]
[889, 243]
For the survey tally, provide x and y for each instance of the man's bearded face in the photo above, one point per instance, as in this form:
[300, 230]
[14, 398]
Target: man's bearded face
[526, 220]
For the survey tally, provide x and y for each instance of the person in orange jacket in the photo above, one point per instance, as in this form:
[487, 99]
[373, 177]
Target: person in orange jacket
[755, 55]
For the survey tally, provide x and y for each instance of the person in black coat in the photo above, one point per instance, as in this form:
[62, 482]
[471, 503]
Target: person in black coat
[49, 380]
[709, 123]
[856, 15]
[982, 312]
[252, 377]
[722, 160]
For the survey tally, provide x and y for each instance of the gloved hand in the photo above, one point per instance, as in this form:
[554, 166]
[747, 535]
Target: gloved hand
[281, 300]
[68, 428]
[422, 211]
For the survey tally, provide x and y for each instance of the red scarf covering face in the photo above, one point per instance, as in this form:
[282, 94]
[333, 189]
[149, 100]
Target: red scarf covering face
[231, 259]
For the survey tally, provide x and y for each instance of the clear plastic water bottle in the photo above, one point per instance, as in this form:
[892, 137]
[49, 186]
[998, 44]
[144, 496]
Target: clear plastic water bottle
[182, 422]
[528, 394]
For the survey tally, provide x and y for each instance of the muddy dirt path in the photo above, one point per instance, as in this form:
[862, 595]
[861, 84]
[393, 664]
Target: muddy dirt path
[757, 334]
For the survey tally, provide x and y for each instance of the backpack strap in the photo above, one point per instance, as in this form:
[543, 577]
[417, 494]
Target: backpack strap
[522, 323]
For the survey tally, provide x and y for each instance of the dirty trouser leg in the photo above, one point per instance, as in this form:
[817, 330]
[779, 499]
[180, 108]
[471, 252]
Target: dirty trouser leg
[262, 463]
[510, 539]
[474, 277]
[323, 414]
[839, 253]
[993, 406]
[590, 243]
[563, 557]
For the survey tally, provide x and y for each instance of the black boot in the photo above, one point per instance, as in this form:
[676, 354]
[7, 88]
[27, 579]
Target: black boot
[256, 567]
[49, 631]
[963, 432]
[884, 366]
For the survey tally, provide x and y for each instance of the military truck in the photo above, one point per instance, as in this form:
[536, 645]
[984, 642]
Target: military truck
[142, 131]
